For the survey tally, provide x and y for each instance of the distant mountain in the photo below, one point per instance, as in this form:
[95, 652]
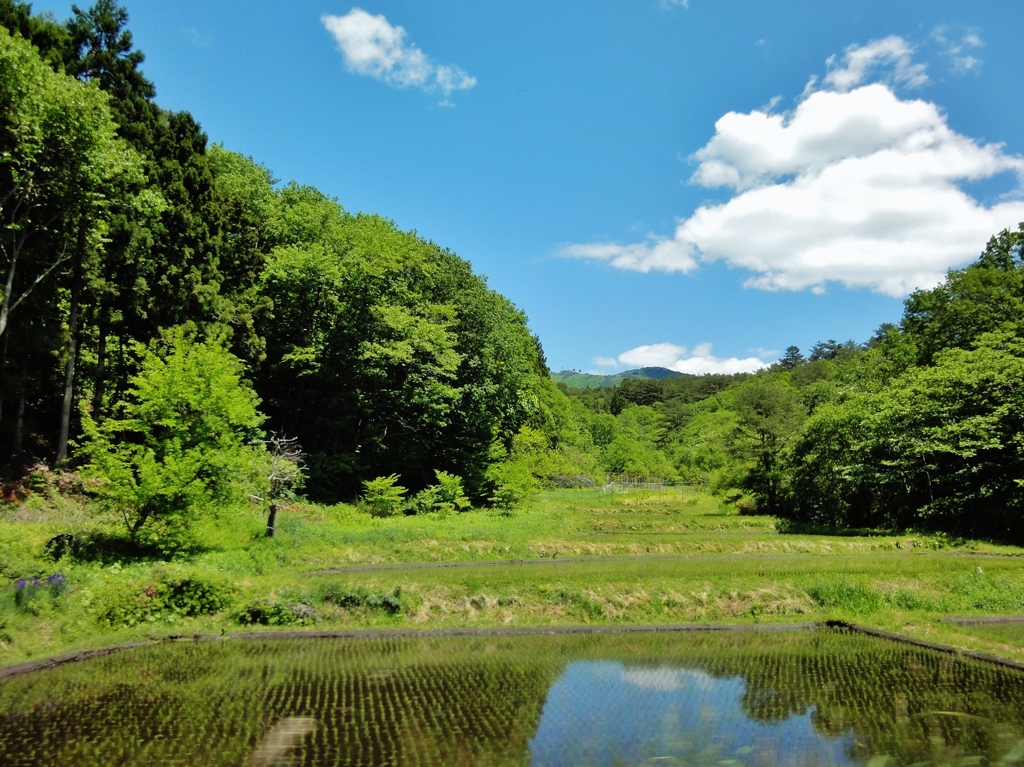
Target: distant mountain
[580, 380]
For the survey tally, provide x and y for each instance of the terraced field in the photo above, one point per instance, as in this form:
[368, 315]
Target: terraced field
[572, 558]
[814, 697]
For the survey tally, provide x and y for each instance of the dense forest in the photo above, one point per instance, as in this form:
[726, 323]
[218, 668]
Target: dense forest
[128, 242]
[174, 319]
[920, 427]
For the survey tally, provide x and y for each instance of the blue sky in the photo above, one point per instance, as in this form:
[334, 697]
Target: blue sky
[697, 185]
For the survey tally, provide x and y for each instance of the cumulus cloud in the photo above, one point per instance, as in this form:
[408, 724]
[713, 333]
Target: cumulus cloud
[696, 361]
[856, 185]
[372, 46]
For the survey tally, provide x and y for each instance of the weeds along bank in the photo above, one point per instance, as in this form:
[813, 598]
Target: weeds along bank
[570, 557]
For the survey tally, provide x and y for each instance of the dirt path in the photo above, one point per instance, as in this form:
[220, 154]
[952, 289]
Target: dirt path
[279, 635]
[556, 560]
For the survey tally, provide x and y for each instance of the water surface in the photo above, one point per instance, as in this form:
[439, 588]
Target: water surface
[704, 698]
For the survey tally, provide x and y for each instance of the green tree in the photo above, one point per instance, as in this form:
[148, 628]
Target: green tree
[947, 441]
[44, 32]
[180, 442]
[938, 447]
[247, 210]
[831, 477]
[101, 50]
[790, 360]
[61, 164]
[768, 416]
[385, 354]
[978, 299]
[58, 150]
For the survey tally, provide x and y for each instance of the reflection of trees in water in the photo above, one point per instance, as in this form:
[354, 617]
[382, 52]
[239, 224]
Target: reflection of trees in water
[447, 702]
[912, 704]
[474, 711]
[469, 701]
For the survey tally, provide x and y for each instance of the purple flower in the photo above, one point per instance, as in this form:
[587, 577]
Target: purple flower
[35, 582]
[57, 579]
[20, 584]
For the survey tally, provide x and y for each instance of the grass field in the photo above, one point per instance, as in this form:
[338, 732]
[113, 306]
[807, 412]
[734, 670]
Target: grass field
[571, 557]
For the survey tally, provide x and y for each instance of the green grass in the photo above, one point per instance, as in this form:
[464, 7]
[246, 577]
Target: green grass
[579, 557]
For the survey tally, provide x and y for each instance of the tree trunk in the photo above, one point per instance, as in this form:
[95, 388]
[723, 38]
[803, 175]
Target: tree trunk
[3, 377]
[69, 367]
[101, 363]
[19, 422]
[120, 381]
[5, 304]
[271, 520]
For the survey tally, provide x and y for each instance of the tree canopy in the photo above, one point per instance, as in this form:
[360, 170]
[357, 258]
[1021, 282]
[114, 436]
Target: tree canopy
[378, 351]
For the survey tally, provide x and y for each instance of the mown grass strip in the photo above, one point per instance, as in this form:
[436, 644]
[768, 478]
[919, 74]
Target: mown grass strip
[893, 636]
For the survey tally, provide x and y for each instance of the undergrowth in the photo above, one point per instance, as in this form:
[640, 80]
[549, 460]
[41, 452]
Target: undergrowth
[672, 557]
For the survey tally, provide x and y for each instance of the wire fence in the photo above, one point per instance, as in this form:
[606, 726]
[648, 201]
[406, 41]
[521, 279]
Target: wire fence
[626, 483]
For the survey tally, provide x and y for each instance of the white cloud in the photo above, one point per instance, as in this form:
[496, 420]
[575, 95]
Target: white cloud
[965, 64]
[696, 361]
[653, 356]
[196, 38]
[374, 47]
[956, 50]
[658, 254]
[667, 679]
[855, 185]
[860, 60]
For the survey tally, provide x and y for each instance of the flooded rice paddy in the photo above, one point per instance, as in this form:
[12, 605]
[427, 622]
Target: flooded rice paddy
[821, 697]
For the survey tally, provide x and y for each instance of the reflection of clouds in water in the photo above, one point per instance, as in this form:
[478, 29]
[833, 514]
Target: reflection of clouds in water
[605, 714]
[667, 679]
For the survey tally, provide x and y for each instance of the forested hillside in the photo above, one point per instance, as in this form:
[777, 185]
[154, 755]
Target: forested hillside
[128, 239]
[578, 380]
[920, 427]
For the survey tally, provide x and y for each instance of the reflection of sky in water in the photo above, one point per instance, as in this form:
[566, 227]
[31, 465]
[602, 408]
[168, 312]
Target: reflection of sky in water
[605, 714]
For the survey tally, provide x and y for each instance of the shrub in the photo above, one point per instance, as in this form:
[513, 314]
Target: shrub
[190, 596]
[445, 497]
[746, 507]
[271, 612]
[352, 599]
[424, 501]
[383, 496]
[174, 596]
[513, 485]
[847, 596]
[507, 497]
[450, 494]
